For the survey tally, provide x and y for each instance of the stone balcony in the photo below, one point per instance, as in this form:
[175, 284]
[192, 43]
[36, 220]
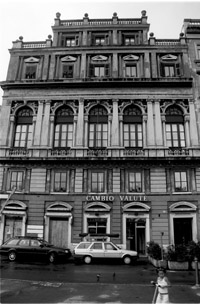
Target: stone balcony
[108, 153]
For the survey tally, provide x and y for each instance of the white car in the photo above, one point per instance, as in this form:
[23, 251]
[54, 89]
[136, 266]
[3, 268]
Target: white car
[87, 251]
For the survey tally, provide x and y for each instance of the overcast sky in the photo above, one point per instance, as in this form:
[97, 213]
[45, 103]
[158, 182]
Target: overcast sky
[33, 19]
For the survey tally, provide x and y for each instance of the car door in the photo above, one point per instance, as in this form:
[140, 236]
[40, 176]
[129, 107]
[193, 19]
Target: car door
[111, 251]
[96, 250]
[23, 248]
[38, 249]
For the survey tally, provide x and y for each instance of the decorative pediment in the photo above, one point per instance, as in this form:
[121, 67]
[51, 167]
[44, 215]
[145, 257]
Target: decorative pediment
[59, 207]
[99, 58]
[97, 207]
[131, 57]
[31, 60]
[169, 57]
[68, 58]
[183, 206]
[136, 207]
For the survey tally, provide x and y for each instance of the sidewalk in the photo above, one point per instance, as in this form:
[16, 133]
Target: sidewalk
[24, 291]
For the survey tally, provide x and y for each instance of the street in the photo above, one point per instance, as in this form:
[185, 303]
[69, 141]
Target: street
[35, 282]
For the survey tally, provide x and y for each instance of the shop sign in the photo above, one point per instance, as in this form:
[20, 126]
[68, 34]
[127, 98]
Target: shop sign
[133, 198]
[91, 198]
[110, 198]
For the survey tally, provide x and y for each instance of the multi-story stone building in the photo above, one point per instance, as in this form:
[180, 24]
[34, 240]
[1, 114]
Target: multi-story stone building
[100, 135]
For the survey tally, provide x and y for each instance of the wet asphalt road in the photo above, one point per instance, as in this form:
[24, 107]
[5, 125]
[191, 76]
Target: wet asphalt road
[36, 282]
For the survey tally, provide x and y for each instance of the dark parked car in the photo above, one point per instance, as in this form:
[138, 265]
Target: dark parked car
[32, 247]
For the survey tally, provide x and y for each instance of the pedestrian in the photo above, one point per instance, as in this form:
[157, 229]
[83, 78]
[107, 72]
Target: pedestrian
[161, 294]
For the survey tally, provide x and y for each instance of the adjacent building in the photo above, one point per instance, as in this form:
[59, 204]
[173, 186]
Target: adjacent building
[100, 135]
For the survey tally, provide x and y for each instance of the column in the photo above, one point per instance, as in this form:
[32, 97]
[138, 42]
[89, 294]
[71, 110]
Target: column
[193, 125]
[187, 133]
[4, 122]
[150, 125]
[121, 131]
[115, 125]
[80, 124]
[83, 66]
[51, 131]
[11, 131]
[45, 124]
[38, 126]
[144, 131]
[164, 131]
[158, 124]
[146, 65]
[115, 66]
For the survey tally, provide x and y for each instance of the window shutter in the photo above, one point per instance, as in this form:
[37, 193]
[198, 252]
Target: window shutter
[178, 69]
[77, 40]
[91, 70]
[107, 70]
[162, 69]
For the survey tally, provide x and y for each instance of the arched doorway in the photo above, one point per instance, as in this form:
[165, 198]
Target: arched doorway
[183, 223]
[13, 221]
[136, 229]
[58, 221]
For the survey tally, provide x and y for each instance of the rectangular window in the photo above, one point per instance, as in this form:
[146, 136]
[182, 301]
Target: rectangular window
[99, 70]
[135, 182]
[67, 71]
[23, 136]
[129, 40]
[70, 42]
[132, 135]
[98, 135]
[97, 225]
[100, 41]
[181, 184]
[131, 71]
[175, 135]
[63, 136]
[97, 182]
[60, 182]
[17, 180]
[170, 69]
[30, 72]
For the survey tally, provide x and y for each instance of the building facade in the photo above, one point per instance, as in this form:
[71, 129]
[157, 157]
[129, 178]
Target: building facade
[100, 135]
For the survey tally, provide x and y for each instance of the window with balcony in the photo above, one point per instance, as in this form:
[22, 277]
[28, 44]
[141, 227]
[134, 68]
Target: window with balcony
[134, 182]
[100, 39]
[131, 38]
[67, 71]
[60, 181]
[181, 183]
[98, 127]
[170, 66]
[175, 133]
[63, 134]
[132, 127]
[70, 40]
[131, 70]
[98, 182]
[23, 128]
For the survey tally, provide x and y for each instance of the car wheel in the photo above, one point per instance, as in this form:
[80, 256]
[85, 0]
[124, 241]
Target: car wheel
[127, 260]
[12, 256]
[87, 259]
[52, 257]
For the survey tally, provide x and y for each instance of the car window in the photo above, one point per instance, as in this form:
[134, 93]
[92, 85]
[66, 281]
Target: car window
[96, 246]
[83, 245]
[109, 246]
[24, 242]
[35, 243]
[12, 242]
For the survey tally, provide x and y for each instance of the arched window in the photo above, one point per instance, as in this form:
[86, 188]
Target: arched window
[175, 134]
[98, 127]
[132, 122]
[23, 128]
[63, 136]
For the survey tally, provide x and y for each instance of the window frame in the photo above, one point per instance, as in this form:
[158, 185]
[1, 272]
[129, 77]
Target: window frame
[61, 122]
[99, 182]
[135, 173]
[15, 182]
[23, 121]
[181, 181]
[61, 189]
[67, 66]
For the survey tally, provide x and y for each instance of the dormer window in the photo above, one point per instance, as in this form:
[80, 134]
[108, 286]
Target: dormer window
[170, 66]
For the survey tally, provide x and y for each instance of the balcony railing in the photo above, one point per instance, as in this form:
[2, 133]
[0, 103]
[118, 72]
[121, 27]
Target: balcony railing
[115, 153]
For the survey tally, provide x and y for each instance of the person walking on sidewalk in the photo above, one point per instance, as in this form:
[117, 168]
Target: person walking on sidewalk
[161, 294]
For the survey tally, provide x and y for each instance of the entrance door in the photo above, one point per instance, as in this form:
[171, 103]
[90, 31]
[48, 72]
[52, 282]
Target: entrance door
[135, 234]
[182, 230]
[13, 227]
[58, 231]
